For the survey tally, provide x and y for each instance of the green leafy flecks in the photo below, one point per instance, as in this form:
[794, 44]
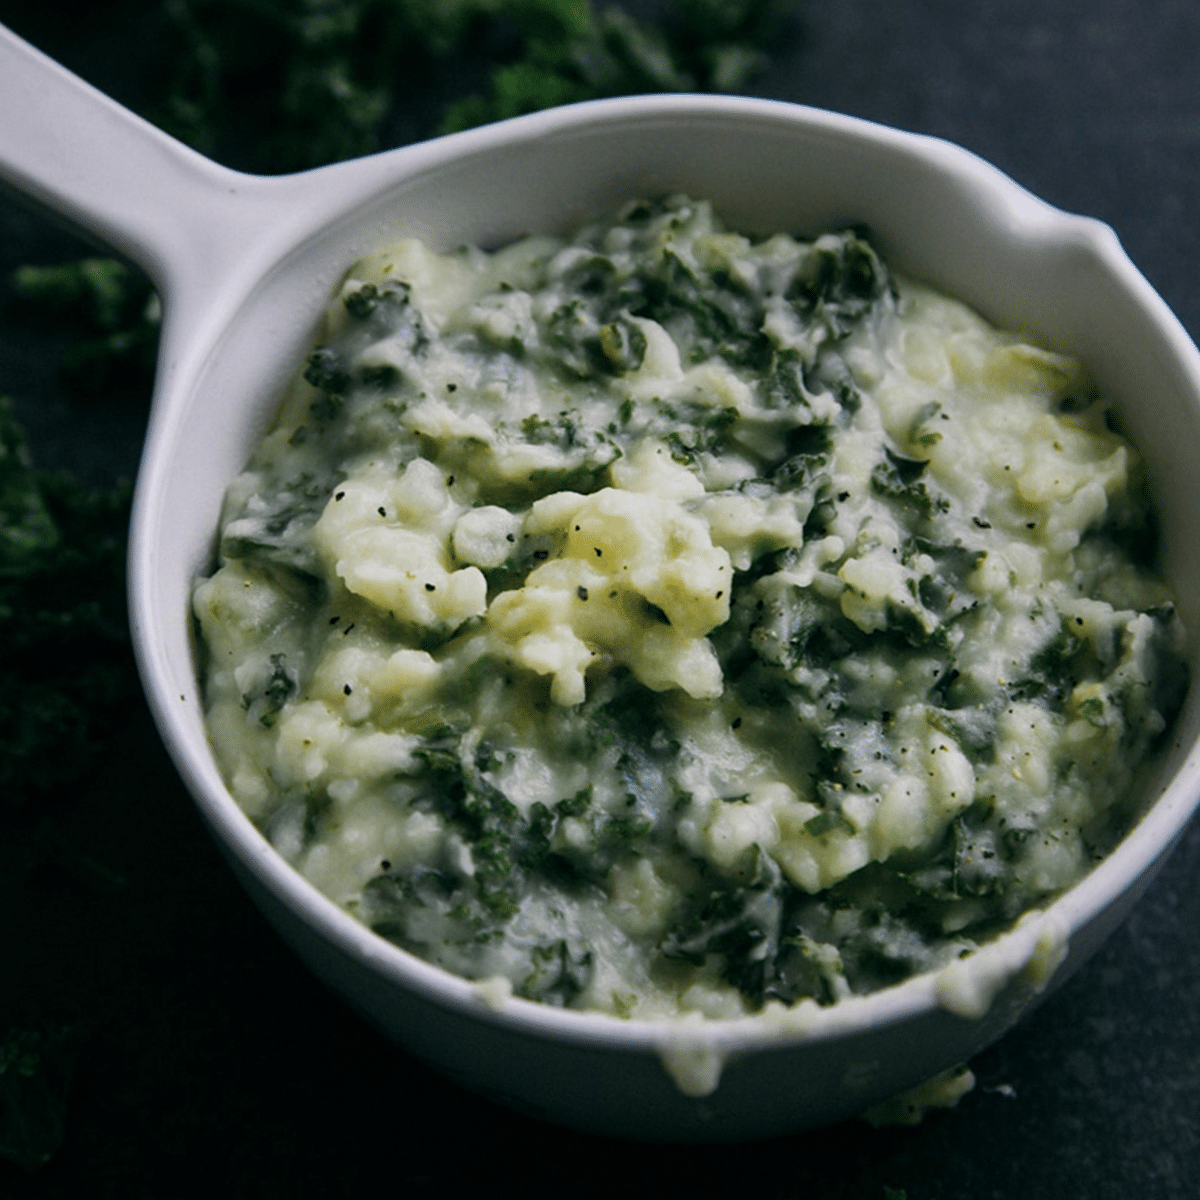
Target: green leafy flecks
[899, 478]
[561, 970]
[843, 280]
[736, 920]
[276, 691]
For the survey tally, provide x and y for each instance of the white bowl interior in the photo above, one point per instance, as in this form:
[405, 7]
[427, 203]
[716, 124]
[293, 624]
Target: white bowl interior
[937, 213]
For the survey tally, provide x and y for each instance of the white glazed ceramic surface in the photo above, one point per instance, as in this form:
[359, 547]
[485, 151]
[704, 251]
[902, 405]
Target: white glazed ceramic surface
[245, 264]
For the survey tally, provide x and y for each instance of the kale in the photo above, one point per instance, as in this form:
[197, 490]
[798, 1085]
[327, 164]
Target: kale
[735, 920]
[784, 384]
[508, 848]
[380, 301]
[623, 344]
[918, 432]
[708, 434]
[707, 312]
[561, 970]
[971, 860]
[806, 454]
[394, 903]
[633, 714]
[274, 535]
[589, 340]
[771, 940]
[585, 477]
[885, 950]
[897, 474]
[510, 853]
[386, 310]
[943, 591]
[561, 432]
[111, 314]
[898, 479]
[1133, 529]
[325, 370]
[29, 535]
[1065, 660]
[324, 82]
[571, 53]
[831, 820]
[972, 726]
[843, 281]
[67, 668]
[278, 687]
[573, 335]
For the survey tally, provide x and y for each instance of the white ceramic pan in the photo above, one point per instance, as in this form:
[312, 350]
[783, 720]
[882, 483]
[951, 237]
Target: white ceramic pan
[244, 266]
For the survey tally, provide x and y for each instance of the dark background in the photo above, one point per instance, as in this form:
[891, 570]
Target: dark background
[210, 1061]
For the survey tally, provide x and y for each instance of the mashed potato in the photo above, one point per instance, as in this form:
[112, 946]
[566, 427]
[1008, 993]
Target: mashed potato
[664, 620]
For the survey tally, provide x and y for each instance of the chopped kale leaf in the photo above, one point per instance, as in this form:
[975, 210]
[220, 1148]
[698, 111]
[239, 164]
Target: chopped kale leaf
[843, 281]
[560, 972]
[326, 371]
[737, 921]
[898, 478]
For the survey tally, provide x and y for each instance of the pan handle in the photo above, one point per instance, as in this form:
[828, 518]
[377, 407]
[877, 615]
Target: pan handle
[111, 174]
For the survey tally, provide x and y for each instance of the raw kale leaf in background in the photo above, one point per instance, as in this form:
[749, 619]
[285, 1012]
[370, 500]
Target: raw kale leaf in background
[268, 86]
[113, 313]
[65, 668]
[321, 80]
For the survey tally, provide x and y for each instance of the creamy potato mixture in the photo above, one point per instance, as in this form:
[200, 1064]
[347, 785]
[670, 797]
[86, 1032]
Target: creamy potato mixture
[667, 620]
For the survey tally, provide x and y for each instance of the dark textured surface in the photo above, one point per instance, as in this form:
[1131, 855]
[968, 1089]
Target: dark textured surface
[212, 1062]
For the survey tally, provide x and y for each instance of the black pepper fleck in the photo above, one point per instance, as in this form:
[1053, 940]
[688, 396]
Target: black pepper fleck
[582, 593]
[429, 587]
